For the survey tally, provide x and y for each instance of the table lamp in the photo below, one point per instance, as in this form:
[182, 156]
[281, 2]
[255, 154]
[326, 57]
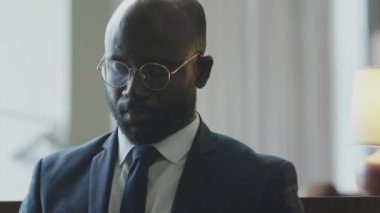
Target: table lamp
[366, 126]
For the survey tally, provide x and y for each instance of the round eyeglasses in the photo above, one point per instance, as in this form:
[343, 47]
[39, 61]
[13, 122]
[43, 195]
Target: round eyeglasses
[155, 76]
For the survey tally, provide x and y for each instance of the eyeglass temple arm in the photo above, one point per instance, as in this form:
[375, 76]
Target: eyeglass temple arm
[100, 64]
[185, 62]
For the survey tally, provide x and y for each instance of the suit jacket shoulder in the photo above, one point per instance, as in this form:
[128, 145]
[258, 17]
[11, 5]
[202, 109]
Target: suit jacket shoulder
[238, 157]
[239, 153]
[67, 160]
[61, 182]
[241, 180]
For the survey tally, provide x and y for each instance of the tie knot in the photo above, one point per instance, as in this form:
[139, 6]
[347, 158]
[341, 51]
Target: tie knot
[146, 153]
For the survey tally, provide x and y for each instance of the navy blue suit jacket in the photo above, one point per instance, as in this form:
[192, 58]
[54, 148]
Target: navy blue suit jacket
[220, 175]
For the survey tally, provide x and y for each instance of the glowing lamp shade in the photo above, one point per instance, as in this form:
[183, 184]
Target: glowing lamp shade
[366, 126]
[366, 106]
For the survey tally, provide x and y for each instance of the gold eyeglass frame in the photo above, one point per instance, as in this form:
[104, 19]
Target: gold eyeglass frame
[132, 71]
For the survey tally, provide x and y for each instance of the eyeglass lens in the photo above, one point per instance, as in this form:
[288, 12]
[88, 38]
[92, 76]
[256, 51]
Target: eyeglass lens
[154, 76]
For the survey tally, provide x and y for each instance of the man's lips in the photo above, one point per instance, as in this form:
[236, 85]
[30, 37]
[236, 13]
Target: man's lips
[136, 116]
[136, 111]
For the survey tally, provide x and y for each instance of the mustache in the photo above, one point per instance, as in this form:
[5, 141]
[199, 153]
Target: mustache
[126, 104]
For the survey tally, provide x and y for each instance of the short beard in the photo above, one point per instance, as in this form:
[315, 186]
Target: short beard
[177, 115]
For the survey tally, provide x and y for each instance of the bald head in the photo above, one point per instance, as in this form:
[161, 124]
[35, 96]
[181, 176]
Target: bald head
[152, 35]
[178, 17]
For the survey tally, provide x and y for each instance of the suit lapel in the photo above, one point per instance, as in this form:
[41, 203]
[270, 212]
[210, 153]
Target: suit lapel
[101, 174]
[196, 170]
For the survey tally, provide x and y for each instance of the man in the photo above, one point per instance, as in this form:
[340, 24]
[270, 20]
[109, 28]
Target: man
[162, 157]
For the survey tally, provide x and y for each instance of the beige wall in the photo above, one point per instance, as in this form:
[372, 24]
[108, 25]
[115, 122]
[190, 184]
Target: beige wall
[89, 113]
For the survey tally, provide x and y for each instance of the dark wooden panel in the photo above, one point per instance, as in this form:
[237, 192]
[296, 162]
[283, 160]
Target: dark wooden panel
[9, 207]
[342, 204]
[312, 205]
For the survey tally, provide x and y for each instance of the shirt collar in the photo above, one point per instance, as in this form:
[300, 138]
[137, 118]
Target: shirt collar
[173, 148]
[125, 146]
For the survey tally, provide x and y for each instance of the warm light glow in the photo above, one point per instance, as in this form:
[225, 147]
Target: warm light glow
[374, 159]
[366, 106]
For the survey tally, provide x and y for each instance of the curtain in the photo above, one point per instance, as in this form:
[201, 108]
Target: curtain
[270, 84]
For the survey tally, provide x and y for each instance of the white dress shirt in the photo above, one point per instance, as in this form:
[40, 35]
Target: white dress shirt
[163, 175]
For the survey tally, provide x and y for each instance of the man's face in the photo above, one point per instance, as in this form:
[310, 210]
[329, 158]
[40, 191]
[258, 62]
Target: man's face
[147, 35]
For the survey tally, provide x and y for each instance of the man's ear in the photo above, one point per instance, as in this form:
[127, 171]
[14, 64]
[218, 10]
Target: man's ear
[203, 70]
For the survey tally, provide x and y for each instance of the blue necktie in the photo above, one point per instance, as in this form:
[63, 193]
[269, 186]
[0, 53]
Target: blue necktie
[134, 194]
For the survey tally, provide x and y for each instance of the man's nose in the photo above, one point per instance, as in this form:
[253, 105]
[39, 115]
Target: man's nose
[134, 86]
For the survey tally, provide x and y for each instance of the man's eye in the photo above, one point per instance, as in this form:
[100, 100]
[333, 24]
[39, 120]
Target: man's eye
[117, 68]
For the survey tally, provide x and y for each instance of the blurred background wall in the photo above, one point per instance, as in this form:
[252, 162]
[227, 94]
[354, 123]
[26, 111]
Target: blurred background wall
[281, 81]
[271, 81]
